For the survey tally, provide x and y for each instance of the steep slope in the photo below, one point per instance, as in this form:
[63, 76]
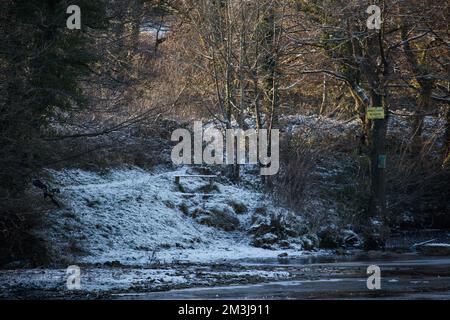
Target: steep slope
[134, 216]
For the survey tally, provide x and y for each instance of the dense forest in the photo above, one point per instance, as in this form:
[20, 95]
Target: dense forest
[361, 98]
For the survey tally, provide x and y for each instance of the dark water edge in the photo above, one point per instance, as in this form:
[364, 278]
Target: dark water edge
[403, 276]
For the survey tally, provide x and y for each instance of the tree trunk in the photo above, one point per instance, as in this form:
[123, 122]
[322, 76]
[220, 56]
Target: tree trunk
[377, 206]
[271, 90]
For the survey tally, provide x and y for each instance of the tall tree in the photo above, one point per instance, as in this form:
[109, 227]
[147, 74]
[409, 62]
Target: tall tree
[42, 62]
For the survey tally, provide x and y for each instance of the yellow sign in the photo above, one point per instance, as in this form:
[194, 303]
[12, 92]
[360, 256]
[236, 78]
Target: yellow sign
[375, 113]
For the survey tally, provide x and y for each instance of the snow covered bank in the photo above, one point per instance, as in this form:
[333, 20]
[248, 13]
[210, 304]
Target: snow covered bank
[49, 282]
[132, 216]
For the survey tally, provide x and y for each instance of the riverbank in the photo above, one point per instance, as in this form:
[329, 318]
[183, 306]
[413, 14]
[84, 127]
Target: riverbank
[406, 276]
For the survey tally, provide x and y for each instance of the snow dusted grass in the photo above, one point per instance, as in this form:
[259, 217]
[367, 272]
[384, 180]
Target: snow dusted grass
[133, 217]
[321, 126]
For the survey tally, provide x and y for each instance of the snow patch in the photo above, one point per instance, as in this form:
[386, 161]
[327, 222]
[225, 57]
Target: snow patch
[133, 216]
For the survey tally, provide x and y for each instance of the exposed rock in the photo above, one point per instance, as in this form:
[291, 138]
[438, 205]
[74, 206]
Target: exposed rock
[221, 217]
[310, 242]
[184, 208]
[351, 239]
[285, 244]
[265, 241]
[261, 210]
[260, 225]
[333, 238]
[280, 228]
[239, 207]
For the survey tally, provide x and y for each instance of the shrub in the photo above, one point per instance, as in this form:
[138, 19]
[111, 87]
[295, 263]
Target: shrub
[18, 243]
[297, 160]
